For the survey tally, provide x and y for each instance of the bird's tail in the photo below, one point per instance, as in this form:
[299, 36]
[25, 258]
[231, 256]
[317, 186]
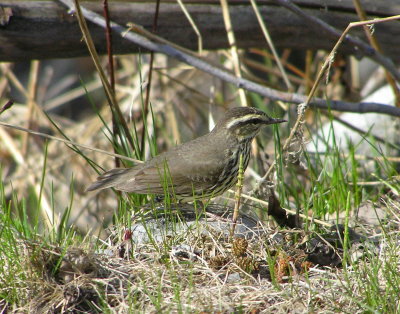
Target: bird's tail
[107, 179]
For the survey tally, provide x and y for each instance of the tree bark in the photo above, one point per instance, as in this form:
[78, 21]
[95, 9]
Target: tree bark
[44, 29]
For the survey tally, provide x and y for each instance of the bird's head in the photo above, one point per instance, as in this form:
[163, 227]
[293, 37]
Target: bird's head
[245, 122]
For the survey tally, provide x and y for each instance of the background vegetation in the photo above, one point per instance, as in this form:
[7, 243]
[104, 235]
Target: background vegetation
[63, 249]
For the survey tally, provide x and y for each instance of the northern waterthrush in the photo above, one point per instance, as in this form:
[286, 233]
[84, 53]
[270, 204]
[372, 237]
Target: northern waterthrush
[202, 168]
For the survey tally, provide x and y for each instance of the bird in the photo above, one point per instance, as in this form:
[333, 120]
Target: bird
[200, 169]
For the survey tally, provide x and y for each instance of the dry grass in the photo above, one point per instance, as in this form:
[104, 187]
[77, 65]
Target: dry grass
[192, 273]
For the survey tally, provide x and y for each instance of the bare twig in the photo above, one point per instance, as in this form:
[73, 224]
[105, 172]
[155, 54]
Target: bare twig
[148, 88]
[303, 107]
[111, 72]
[92, 50]
[284, 62]
[194, 26]
[199, 63]
[109, 45]
[234, 51]
[358, 44]
[271, 45]
[68, 142]
[30, 99]
[46, 210]
[18, 85]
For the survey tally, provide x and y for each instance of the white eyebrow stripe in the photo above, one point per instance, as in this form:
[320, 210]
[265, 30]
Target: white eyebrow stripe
[243, 119]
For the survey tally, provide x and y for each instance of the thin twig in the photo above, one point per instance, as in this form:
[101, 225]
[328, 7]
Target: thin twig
[189, 58]
[271, 45]
[308, 80]
[111, 72]
[68, 142]
[234, 50]
[109, 45]
[194, 26]
[335, 33]
[262, 67]
[106, 85]
[284, 62]
[148, 87]
[18, 85]
[46, 210]
[304, 106]
[31, 100]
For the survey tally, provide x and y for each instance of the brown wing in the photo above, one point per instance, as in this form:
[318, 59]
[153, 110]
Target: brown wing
[196, 164]
[182, 169]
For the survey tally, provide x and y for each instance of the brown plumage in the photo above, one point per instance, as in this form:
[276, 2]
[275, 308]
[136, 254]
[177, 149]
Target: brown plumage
[204, 167]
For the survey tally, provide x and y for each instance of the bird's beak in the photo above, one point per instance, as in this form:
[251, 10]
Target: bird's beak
[275, 121]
